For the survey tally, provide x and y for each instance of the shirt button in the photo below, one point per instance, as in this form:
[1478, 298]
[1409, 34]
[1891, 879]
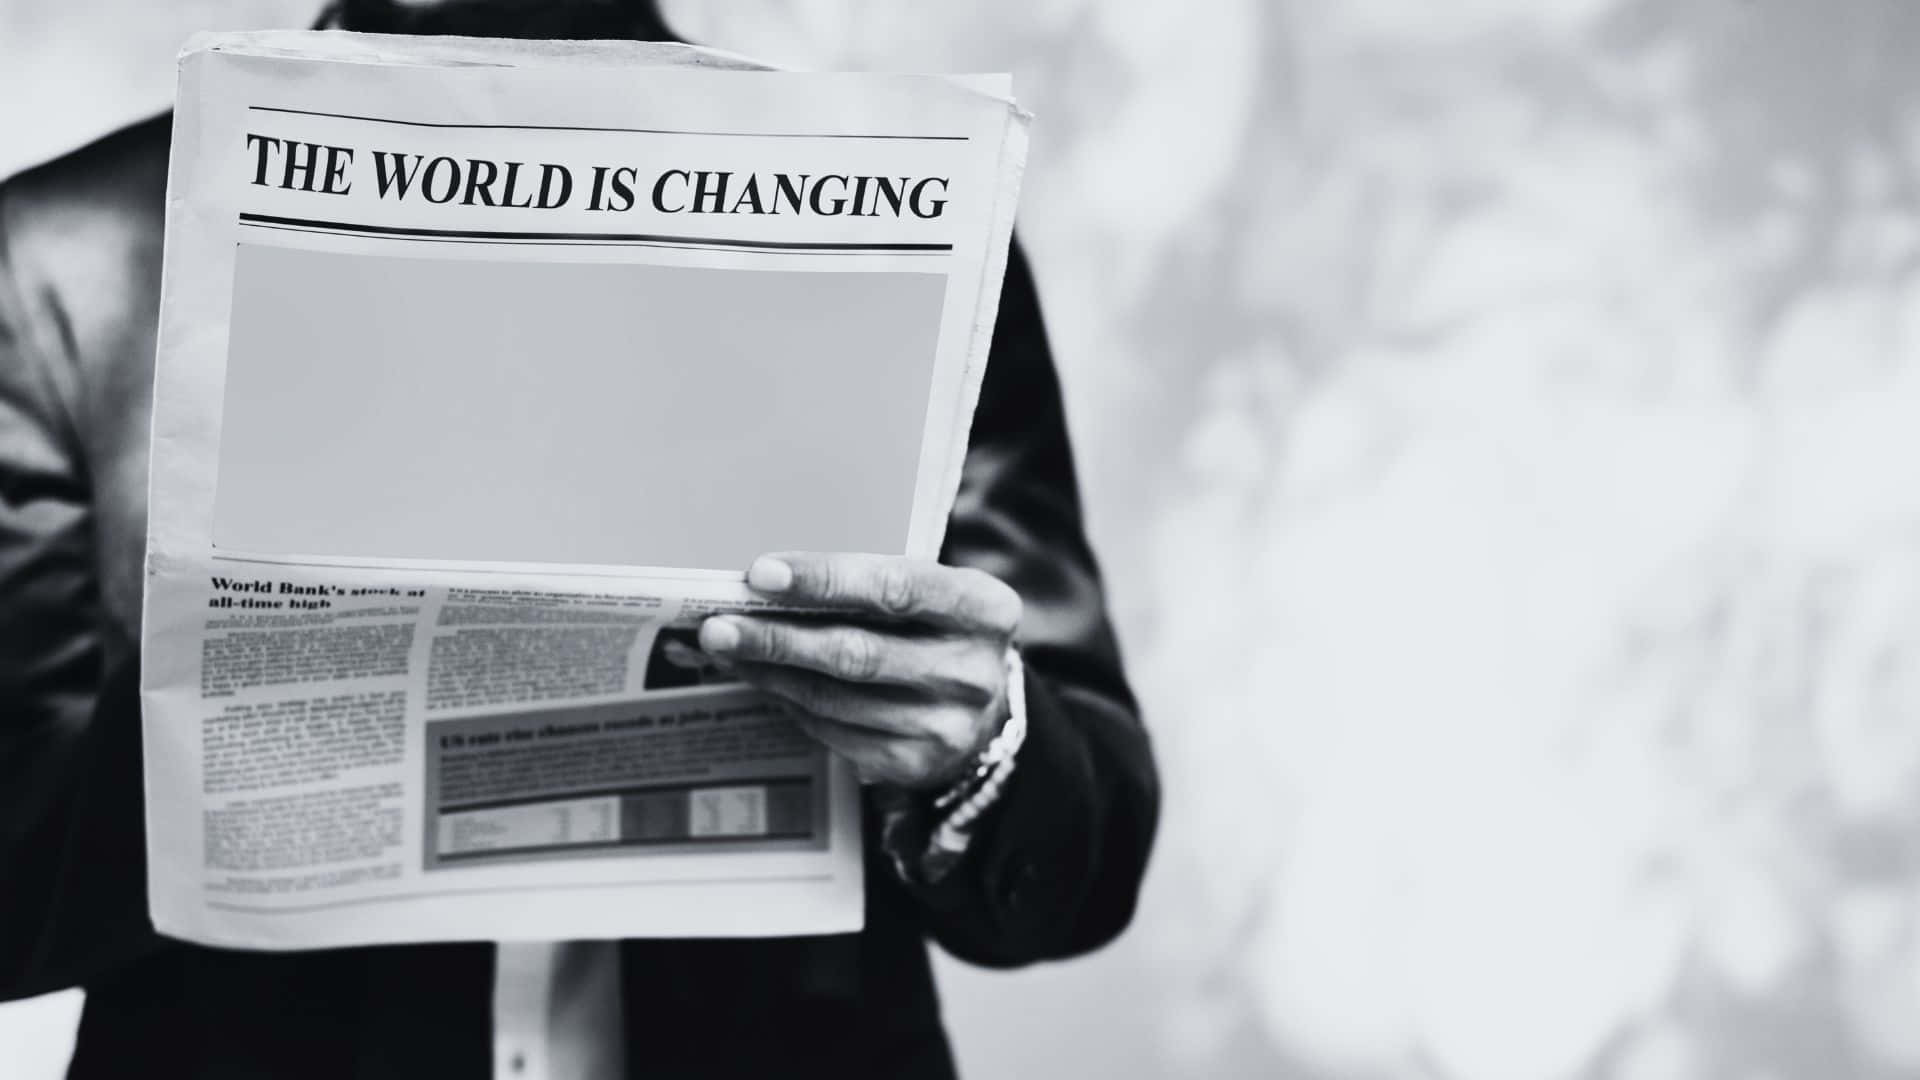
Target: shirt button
[518, 1063]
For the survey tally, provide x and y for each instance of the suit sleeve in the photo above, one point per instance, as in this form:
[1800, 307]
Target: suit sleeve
[1056, 868]
[72, 880]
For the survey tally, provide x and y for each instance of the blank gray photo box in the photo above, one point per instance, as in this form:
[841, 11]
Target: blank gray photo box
[421, 408]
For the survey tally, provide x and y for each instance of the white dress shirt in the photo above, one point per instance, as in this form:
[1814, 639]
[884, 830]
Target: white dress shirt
[556, 1011]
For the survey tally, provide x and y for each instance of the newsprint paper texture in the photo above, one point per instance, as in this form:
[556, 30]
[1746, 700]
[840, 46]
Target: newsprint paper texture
[484, 370]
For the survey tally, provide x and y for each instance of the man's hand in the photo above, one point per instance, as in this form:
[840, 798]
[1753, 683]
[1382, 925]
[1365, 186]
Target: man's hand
[907, 678]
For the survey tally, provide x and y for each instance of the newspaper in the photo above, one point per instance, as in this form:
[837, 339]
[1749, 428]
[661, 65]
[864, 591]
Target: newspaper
[484, 370]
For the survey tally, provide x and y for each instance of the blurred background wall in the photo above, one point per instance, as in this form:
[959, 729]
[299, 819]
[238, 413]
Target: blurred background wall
[1501, 423]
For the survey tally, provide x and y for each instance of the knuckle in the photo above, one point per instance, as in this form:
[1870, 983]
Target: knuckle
[854, 655]
[829, 581]
[809, 573]
[768, 643]
[896, 592]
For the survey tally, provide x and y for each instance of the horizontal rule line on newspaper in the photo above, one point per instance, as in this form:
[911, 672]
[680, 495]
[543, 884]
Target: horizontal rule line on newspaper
[622, 130]
[269, 220]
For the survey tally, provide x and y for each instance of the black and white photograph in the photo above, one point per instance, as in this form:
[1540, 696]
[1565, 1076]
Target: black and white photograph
[648, 540]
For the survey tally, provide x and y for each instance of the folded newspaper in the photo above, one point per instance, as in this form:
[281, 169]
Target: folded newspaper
[484, 369]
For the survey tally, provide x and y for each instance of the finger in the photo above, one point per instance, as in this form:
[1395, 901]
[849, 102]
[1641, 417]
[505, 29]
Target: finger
[956, 669]
[890, 585]
[879, 709]
[877, 758]
[683, 655]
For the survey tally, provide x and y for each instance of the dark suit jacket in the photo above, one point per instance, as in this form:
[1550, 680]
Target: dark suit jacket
[1054, 873]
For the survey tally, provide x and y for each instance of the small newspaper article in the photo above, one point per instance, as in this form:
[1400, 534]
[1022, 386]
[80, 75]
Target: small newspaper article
[484, 370]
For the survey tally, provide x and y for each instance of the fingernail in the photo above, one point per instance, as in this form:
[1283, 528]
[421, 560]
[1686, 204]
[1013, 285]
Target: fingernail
[719, 635]
[768, 574]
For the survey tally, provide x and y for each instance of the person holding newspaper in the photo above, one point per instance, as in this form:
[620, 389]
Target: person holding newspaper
[1011, 793]
[910, 687]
